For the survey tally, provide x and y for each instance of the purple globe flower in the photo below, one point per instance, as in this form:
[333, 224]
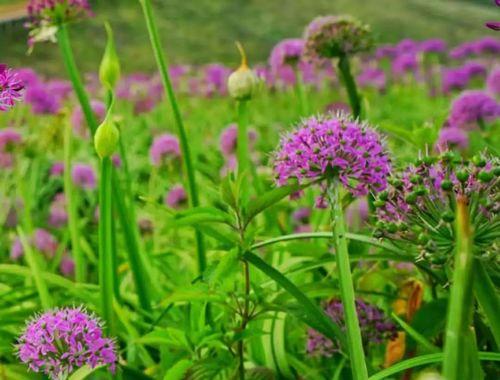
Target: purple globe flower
[27, 76]
[376, 328]
[67, 266]
[493, 81]
[164, 147]
[473, 107]
[16, 250]
[45, 242]
[176, 197]
[335, 36]
[462, 51]
[11, 88]
[404, 63]
[407, 46]
[57, 169]
[83, 176]
[418, 206]
[474, 68]
[78, 119]
[387, 51]
[215, 79]
[433, 45]
[372, 77]
[487, 46]
[333, 147]
[229, 139]
[452, 137]
[60, 341]
[143, 91]
[287, 52]
[58, 217]
[42, 100]
[302, 215]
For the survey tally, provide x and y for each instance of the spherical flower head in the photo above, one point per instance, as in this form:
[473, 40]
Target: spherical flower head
[67, 266]
[376, 328]
[9, 138]
[16, 250]
[176, 197]
[333, 147]
[462, 51]
[286, 53]
[42, 100]
[56, 12]
[336, 36]
[164, 147]
[302, 215]
[493, 81]
[474, 69]
[386, 51]
[229, 139]
[83, 176]
[11, 88]
[433, 45]
[215, 77]
[57, 169]
[45, 242]
[487, 46]
[452, 137]
[60, 341]
[418, 206]
[58, 217]
[372, 77]
[472, 107]
[404, 63]
[454, 79]
[78, 120]
[407, 45]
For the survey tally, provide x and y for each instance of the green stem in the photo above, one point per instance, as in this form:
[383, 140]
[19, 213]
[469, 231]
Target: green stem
[76, 80]
[354, 339]
[72, 207]
[242, 146]
[106, 272]
[186, 154]
[488, 299]
[244, 321]
[300, 92]
[350, 85]
[460, 303]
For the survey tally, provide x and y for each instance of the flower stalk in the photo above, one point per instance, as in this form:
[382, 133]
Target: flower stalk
[354, 339]
[461, 297]
[186, 153]
[350, 85]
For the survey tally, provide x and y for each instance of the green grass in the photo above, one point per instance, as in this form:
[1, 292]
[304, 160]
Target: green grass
[200, 31]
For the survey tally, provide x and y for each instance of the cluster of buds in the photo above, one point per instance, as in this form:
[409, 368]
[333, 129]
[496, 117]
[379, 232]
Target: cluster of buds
[336, 36]
[419, 205]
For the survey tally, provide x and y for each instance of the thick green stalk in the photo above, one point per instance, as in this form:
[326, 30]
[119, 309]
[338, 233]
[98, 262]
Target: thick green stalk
[106, 272]
[242, 145]
[460, 303]
[354, 339]
[72, 208]
[350, 85]
[488, 299]
[74, 74]
[186, 153]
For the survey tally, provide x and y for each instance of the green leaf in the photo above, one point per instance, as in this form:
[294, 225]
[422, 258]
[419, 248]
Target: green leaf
[199, 215]
[166, 336]
[423, 360]
[270, 198]
[313, 312]
[428, 346]
[179, 370]
[82, 372]
[488, 299]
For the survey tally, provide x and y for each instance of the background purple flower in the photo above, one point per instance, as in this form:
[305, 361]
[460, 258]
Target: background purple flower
[471, 107]
[42, 100]
[452, 137]
[164, 147]
[287, 52]
[83, 176]
[176, 197]
[433, 45]
[60, 341]
[78, 119]
[493, 81]
[58, 217]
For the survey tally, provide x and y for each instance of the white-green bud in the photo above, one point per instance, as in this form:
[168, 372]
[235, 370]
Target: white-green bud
[109, 70]
[106, 137]
[243, 83]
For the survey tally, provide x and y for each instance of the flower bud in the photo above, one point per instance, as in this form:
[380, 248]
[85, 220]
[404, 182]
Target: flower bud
[485, 176]
[446, 185]
[109, 71]
[462, 176]
[479, 161]
[379, 203]
[106, 137]
[448, 216]
[242, 83]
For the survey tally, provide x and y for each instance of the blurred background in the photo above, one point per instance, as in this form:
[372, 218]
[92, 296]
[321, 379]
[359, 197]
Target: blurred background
[203, 31]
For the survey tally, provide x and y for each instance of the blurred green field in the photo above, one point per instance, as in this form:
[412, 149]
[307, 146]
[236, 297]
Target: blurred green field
[200, 31]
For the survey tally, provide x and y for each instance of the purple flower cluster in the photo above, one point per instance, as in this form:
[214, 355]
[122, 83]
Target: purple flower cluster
[433, 45]
[472, 108]
[376, 328]
[333, 147]
[335, 36]
[164, 147]
[287, 52]
[42, 240]
[483, 46]
[458, 78]
[9, 139]
[451, 138]
[60, 341]
[215, 79]
[83, 176]
[176, 197]
[405, 63]
[11, 88]
[418, 206]
[143, 91]
[58, 217]
[56, 12]
[372, 77]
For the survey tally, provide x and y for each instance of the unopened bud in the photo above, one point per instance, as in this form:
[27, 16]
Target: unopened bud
[106, 137]
[109, 71]
[242, 83]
